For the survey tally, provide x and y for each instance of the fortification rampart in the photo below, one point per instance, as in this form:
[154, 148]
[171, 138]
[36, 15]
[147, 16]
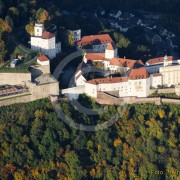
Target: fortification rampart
[14, 78]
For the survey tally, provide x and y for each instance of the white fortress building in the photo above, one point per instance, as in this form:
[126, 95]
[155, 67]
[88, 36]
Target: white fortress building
[110, 60]
[45, 41]
[76, 35]
[97, 43]
[138, 80]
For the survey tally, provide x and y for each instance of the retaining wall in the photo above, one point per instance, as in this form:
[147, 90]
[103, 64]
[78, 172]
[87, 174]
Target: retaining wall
[14, 78]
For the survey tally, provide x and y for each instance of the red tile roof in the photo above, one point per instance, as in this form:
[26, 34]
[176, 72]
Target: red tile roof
[94, 39]
[111, 46]
[107, 80]
[140, 73]
[140, 62]
[115, 61]
[47, 35]
[43, 58]
[96, 56]
[158, 60]
[156, 74]
[124, 62]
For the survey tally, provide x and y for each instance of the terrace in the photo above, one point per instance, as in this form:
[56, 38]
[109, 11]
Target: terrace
[9, 90]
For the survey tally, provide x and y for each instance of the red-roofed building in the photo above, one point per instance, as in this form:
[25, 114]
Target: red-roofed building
[153, 65]
[140, 73]
[47, 35]
[98, 42]
[45, 41]
[137, 84]
[159, 60]
[43, 60]
[114, 64]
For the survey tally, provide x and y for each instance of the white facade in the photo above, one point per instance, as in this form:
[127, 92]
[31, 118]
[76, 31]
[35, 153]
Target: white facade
[44, 43]
[43, 63]
[109, 54]
[73, 93]
[91, 89]
[79, 79]
[135, 88]
[171, 75]
[76, 35]
[38, 29]
[156, 81]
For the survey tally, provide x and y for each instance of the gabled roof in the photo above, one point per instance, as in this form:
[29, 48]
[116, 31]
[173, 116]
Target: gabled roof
[139, 62]
[95, 56]
[43, 58]
[94, 39]
[107, 80]
[158, 60]
[140, 73]
[47, 35]
[124, 62]
[114, 61]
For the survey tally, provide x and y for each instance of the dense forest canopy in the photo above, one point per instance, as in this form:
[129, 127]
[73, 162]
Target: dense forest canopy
[142, 144]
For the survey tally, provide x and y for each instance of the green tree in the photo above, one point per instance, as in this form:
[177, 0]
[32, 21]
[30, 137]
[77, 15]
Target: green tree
[30, 28]
[42, 15]
[73, 161]
[70, 39]
[3, 50]
[123, 42]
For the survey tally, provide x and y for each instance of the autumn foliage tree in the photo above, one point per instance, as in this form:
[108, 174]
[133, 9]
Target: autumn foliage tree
[30, 28]
[3, 50]
[42, 15]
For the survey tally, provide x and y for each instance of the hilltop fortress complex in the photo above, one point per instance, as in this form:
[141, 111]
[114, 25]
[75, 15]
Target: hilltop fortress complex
[136, 79]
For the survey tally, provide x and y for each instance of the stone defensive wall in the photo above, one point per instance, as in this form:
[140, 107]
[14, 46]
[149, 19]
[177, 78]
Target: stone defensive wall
[35, 92]
[163, 91]
[106, 99]
[166, 90]
[14, 78]
[170, 101]
[21, 98]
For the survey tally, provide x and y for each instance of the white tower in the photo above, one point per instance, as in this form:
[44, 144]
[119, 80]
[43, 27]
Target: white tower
[111, 51]
[38, 29]
[166, 61]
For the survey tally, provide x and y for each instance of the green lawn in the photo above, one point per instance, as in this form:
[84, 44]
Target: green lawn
[29, 56]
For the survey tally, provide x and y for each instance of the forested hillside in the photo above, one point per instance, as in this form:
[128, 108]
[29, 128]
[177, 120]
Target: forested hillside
[36, 144]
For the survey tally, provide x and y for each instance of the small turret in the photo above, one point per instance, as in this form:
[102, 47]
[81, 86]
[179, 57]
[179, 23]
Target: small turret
[38, 29]
[111, 51]
[166, 61]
